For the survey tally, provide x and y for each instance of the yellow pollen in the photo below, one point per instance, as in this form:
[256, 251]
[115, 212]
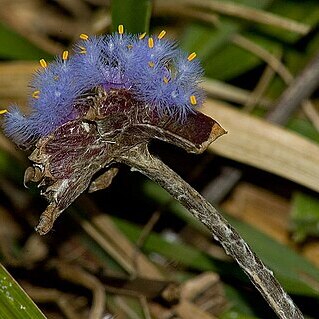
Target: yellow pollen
[192, 99]
[151, 64]
[83, 50]
[35, 94]
[43, 63]
[84, 36]
[165, 79]
[142, 36]
[3, 111]
[162, 34]
[65, 55]
[120, 29]
[192, 56]
[150, 43]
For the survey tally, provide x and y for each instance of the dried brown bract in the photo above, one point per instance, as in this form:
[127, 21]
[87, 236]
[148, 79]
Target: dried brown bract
[112, 123]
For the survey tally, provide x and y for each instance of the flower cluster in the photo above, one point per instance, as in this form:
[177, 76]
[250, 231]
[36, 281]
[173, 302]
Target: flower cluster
[158, 73]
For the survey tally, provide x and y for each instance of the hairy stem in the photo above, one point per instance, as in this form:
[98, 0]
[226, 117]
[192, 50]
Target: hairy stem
[141, 160]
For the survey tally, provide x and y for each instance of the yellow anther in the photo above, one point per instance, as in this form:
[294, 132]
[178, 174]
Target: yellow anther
[65, 55]
[151, 64]
[150, 43]
[3, 111]
[130, 46]
[192, 56]
[43, 63]
[120, 29]
[192, 99]
[165, 79]
[162, 34]
[142, 36]
[35, 94]
[84, 36]
[83, 50]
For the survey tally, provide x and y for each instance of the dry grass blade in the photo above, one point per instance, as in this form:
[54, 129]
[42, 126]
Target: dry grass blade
[266, 146]
[262, 209]
[78, 8]
[225, 91]
[250, 14]
[256, 95]
[299, 90]
[64, 301]
[77, 275]
[117, 245]
[121, 249]
[259, 51]
[176, 10]
[311, 113]
[14, 80]
[38, 21]
[187, 310]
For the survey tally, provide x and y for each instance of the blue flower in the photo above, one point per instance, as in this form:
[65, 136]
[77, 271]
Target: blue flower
[158, 74]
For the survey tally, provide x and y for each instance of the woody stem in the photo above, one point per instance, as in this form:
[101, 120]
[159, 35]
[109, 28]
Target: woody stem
[141, 160]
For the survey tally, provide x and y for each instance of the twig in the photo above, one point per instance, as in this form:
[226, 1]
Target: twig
[163, 8]
[265, 55]
[139, 159]
[262, 85]
[218, 189]
[251, 14]
[300, 89]
[77, 275]
[64, 301]
[139, 125]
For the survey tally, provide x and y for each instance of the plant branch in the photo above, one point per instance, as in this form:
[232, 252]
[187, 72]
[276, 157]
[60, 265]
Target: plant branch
[139, 159]
[299, 90]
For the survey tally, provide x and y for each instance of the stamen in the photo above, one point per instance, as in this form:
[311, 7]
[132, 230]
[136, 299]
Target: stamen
[65, 55]
[161, 35]
[192, 56]
[121, 29]
[83, 50]
[192, 99]
[150, 43]
[3, 111]
[43, 63]
[35, 94]
[142, 36]
[151, 64]
[130, 46]
[165, 79]
[84, 36]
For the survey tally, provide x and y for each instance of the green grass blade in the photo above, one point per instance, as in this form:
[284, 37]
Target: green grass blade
[133, 14]
[14, 302]
[305, 216]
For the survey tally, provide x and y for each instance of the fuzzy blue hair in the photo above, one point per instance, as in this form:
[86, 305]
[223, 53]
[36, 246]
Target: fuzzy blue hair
[158, 73]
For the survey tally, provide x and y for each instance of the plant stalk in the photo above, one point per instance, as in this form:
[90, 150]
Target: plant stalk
[139, 159]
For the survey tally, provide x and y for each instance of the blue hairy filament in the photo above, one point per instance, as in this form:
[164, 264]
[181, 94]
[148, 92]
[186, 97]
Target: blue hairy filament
[157, 72]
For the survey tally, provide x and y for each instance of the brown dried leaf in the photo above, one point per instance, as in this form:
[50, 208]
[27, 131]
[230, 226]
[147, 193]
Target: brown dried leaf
[262, 209]
[111, 124]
